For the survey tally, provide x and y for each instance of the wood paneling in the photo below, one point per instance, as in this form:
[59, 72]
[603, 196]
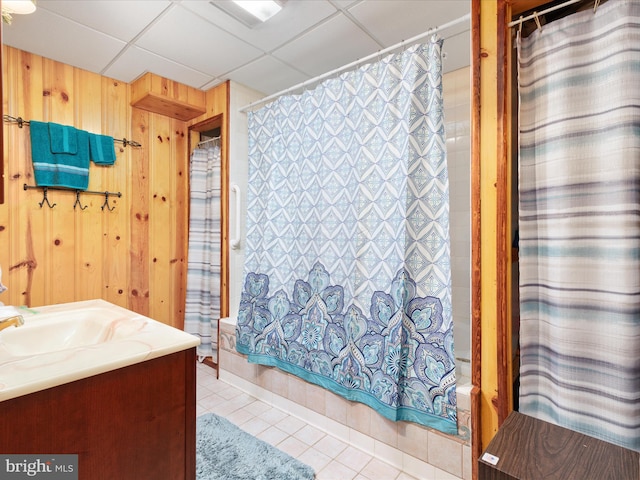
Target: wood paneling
[89, 118]
[133, 256]
[485, 151]
[492, 205]
[503, 221]
[476, 228]
[139, 208]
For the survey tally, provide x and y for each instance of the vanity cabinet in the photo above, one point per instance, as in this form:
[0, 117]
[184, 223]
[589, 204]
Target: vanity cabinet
[526, 448]
[133, 423]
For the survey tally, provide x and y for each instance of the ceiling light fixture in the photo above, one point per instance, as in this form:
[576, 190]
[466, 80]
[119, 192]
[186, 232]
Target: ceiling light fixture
[263, 10]
[249, 12]
[19, 7]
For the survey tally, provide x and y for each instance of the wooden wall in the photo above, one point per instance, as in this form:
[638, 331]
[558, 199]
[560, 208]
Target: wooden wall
[491, 212]
[133, 256]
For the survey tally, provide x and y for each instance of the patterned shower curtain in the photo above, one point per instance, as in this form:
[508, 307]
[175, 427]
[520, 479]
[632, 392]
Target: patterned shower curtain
[202, 309]
[347, 269]
[580, 222]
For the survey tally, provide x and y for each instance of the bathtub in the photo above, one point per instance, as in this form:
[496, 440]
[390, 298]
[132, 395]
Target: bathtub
[417, 450]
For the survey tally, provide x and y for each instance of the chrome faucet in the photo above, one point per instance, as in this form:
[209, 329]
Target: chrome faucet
[15, 320]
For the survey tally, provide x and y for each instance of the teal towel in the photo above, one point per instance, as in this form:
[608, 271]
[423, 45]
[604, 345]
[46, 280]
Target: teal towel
[63, 139]
[101, 149]
[58, 169]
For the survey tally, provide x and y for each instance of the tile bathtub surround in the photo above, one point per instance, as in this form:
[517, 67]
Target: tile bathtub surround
[331, 457]
[407, 447]
[457, 113]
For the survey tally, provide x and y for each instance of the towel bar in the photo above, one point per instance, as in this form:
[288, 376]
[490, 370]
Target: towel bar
[20, 121]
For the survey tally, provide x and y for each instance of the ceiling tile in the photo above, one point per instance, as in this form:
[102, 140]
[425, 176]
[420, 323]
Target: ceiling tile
[120, 19]
[330, 45]
[418, 16]
[136, 61]
[65, 41]
[195, 43]
[188, 39]
[344, 4]
[267, 75]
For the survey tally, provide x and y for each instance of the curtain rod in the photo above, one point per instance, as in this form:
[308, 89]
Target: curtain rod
[214, 139]
[535, 15]
[464, 18]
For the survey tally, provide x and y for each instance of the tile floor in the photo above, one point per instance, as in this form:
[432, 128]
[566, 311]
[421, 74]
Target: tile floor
[332, 459]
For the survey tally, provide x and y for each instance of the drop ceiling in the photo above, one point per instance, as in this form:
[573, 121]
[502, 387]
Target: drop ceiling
[197, 44]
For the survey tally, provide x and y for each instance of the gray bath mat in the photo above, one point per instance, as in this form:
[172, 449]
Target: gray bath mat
[226, 452]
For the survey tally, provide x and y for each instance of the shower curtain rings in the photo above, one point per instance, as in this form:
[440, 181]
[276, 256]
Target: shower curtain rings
[520, 27]
[535, 17]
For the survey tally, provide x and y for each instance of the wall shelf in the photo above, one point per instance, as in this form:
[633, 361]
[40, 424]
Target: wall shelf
[159, 95]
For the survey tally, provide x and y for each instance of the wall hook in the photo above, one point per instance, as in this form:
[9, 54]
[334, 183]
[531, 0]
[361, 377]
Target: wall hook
[45, 199]
[126, 142]
[106, 202]
[77, 202]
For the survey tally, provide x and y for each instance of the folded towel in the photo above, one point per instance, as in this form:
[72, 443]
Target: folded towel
[63, 139]
[101, 149]
[59, 169]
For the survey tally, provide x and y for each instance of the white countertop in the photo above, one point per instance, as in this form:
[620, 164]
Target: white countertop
[67, 342]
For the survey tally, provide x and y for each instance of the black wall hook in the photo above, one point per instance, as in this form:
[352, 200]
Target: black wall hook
[45, 199]
[126, 142]
[106, 202]
[77, 202]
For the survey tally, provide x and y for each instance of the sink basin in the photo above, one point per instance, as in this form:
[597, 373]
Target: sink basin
[66, 342]
[66, 330]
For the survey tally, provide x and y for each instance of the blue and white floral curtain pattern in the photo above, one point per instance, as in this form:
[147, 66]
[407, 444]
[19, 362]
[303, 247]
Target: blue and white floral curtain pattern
[202, 309]
[580, 222]
[347, 270]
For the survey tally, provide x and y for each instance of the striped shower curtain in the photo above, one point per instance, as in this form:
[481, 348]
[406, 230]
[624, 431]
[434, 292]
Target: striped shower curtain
[347, 278]
[579, 87]
[202, 309]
